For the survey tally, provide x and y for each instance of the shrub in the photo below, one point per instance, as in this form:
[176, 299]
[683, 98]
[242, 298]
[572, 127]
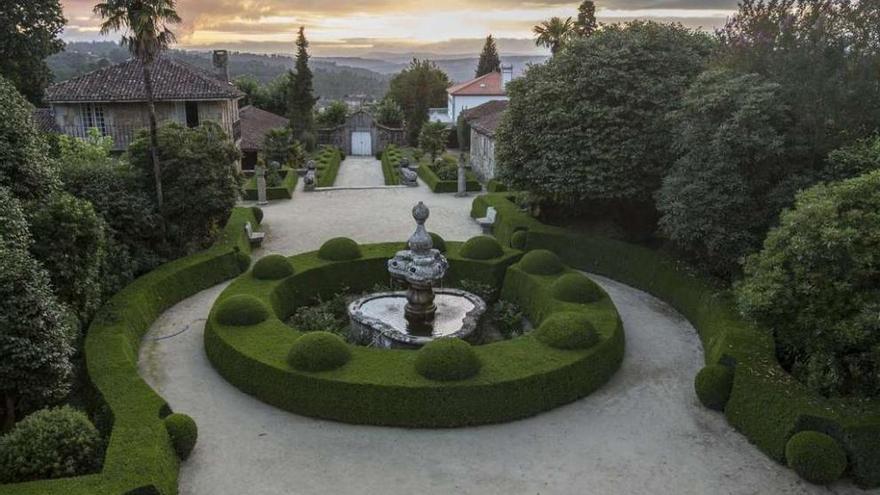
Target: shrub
[567, 330]
[329, 315]
[340, 249]
[481, 248]
[713, 385]
[50, 443]
[241, 311]
[576, 288]
[816, 457]
[447, 360]
[518, 239]
[15, 233]
[439, 242]
[541, 262]
[243, 260]
[258, 213]
[507, 318]
[273, 267]
[318, 351]
[183, 432]
[487, 292]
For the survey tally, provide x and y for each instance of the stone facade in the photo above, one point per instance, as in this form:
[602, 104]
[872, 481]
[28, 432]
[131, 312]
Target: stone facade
[483, 155]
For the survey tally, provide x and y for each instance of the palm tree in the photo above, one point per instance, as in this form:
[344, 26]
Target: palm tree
[145, 32]
[553, 33]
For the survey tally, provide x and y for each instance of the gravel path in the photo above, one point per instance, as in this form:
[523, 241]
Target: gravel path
[642, 433]
[360, 171]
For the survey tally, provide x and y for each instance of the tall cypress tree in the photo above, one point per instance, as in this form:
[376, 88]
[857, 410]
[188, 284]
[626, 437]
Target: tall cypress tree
[586, 23]
[300, 100]
[489, 61]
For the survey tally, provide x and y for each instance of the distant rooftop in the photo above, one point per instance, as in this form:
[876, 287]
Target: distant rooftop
[172, 81]
[255, 124]
[486, 117]
[491, 84]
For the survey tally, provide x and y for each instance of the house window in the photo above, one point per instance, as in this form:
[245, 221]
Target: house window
[192, 114]
[93, 118]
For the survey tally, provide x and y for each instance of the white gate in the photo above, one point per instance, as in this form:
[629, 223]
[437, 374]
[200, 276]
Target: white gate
[361, 143]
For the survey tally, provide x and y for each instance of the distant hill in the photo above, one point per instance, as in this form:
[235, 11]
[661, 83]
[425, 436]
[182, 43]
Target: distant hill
[458, 68]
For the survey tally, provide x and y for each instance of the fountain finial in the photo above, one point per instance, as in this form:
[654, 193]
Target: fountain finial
[420, 242]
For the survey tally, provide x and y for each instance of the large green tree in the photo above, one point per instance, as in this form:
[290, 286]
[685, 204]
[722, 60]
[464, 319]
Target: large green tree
[591, 124]
[416, 89]
[389, 113]
[300, 93]
[489, 60]
[29, 31]
[554, 33]
[145, 24]
[586, 23]
[332, 116]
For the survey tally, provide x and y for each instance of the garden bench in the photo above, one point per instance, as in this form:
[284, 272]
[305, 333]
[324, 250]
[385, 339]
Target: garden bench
[255, 238]
[488, 221]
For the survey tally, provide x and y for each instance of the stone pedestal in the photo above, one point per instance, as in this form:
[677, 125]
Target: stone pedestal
[462, 177]
[261, 186]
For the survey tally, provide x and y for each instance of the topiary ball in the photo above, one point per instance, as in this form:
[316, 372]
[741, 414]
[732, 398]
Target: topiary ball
[273, 267]
[815, 457]
[241, 311]
[50, 443]
[243, 260]
[713, 384]
[340, 249]
[481, 247]
[318, 351]
[447, 360]
[576, 288]
[183, 432]
[541, 262]
[258, 213]
[567, 331]
[518, 239]
[439, 243]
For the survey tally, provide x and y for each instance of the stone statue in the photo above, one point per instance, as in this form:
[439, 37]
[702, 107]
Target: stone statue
[462, 177]
[311, 180]
[408, 177]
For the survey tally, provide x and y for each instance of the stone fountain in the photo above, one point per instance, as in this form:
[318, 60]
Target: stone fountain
[423, 312]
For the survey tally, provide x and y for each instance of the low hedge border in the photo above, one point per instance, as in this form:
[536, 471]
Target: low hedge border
[447, 186]
[390, 162]
[766, 404]
[328, 159]
[281, 191]
[518, 378]
[139, 452]
[495, 186]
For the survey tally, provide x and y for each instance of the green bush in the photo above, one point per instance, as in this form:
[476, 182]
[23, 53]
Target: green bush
[273, 267]
[816, 457]
[340, 249]
[481, 248]
[258, 213]
[318, 351]
[541, 262]
[576, 288]
[567, 330]
[284, 189]
[713, 385]
[243, 260]
[50, 443]
[438, 185]
[447, 360]
[241, 311]
[15, 233]
[439, 242]
[518, 239]
[183, 432]
[495, 186]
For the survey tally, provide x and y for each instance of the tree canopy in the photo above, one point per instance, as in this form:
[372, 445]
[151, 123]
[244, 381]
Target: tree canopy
[29, 32]
[554, 33]
[416, 89]
[300, 92]
[489, 60]
[586, 23]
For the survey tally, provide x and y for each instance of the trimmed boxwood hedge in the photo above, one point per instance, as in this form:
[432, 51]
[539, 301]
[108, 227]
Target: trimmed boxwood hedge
[242, 311]
[139, 453]
[183, 432]
[713, 384]
[447, 186]
[340, 249]
[766, 404]
[568, 330]
[390, 163]
[447, 360]
[318, 351]
[482, 247]
[816, 457]
[284, 190]
[272, 267]
[328, 159]
[518, 378]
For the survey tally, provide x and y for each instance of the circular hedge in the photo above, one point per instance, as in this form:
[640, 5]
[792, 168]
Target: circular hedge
[482, 247]
[518, 239]
[541, 262]
[576, 288]
[713, 385]
[447, 360]
[242, 310]
[318, 351]
[816, 457]
[439, 242]
[568, 330]
[340, 249]
[183, 432]
[273, 267]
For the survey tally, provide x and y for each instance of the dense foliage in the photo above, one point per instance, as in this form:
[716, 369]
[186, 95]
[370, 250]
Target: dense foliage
[432, 139]
[29, 32]
[389, 113]
[590, 125]
[280, 147]
[815, 286]
[333, 115]
[300, 98]
[15, 233]
[416, 89]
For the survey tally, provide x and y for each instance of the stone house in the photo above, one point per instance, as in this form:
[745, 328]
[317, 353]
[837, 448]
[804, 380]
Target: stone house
[255, 125]
[473, 93]
[483, 121]
[113, 99]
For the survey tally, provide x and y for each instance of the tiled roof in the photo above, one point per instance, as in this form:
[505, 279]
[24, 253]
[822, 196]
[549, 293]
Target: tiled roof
[255, 124]
[172, 80]
[486, 117]
[44, 118]
[491, 84]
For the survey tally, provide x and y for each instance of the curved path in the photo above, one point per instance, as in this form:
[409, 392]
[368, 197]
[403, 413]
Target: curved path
[642, 433]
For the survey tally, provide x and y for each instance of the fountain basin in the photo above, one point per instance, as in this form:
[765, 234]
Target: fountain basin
[379, 320]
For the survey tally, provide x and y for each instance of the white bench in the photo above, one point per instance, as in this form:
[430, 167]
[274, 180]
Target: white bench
[488, 221]
[255, 238]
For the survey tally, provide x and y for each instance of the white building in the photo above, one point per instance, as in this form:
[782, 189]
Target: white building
[473, 93]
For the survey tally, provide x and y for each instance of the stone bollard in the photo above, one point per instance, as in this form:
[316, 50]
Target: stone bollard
[261, 186]
[462, 178]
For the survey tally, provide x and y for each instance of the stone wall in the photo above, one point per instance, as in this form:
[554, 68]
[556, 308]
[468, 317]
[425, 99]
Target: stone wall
[482, 155]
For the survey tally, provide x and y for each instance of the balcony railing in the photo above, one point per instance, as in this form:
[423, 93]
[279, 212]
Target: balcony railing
[122, 135]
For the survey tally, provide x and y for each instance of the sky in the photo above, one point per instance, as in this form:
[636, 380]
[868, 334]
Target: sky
[358, 27]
